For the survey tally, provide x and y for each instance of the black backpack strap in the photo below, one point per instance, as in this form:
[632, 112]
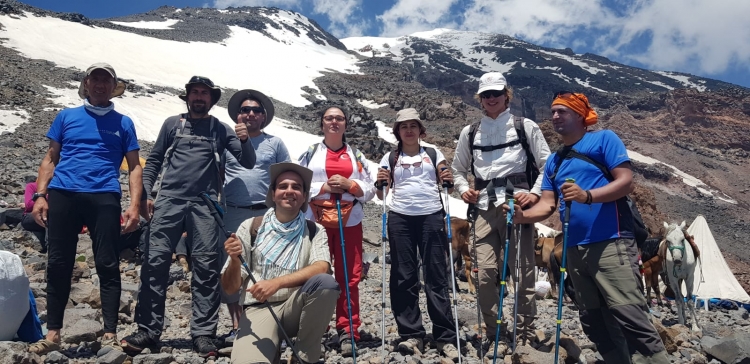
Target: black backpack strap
[532, 169]
[392, 164]
[472, 133]
[432, 153]
[312, 228]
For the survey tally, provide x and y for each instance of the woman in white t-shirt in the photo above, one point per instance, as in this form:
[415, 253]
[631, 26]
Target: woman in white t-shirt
[417, 237]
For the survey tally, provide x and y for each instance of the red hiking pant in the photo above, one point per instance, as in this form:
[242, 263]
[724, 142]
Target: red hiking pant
[353, 247]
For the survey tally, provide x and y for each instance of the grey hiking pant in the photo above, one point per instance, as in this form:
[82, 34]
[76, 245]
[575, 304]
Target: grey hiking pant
[173, 216]
[607, 282]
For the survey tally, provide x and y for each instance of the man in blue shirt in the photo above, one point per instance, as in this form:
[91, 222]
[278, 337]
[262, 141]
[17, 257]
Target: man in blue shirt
[602, 256]
[245, 189]
[79, 176]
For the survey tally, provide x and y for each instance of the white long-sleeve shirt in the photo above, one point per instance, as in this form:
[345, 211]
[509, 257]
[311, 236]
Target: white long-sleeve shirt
[499, 162]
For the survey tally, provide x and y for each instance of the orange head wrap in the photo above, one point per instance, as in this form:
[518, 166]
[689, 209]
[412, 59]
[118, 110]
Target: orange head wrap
[578, 103]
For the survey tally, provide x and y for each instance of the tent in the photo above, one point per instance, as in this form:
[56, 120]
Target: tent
[719, 282]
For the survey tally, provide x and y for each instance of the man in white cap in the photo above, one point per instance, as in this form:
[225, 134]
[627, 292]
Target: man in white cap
[498, 149]
[186, 162]
[245, 189]
[291, 262]
[79, 177]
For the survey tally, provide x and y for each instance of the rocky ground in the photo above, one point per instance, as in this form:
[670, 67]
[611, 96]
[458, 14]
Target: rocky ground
[722, 328]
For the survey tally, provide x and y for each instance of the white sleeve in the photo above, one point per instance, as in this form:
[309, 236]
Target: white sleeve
[461, 162]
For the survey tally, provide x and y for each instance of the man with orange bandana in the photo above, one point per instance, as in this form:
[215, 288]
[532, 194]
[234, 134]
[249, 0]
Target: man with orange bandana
[602, 257]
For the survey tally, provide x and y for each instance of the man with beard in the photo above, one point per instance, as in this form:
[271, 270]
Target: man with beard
[245, 189]
[184, 162]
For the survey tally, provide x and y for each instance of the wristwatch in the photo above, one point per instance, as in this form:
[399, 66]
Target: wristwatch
[37, 195]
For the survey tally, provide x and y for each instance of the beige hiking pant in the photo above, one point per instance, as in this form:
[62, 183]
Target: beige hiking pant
[305, 314]
[491, 229]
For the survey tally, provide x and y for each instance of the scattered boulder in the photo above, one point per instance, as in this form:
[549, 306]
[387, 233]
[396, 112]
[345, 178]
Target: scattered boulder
[12, 352]
[82, 330]
[732, 349]
[161, 358]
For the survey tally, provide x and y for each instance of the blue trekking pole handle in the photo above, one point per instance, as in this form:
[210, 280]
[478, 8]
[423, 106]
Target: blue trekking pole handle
[346, 275]
[563, 273]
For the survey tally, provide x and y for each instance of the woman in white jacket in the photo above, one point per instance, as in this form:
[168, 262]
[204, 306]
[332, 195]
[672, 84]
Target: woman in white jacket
[340, 171]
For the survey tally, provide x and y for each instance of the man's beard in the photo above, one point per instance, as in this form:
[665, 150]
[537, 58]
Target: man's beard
[199, 107]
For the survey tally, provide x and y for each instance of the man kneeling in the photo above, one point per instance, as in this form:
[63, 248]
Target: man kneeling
[290, 260]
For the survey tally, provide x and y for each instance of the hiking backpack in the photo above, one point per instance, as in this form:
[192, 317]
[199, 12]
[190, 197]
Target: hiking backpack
[640, 232]
[532, 170]
[431, 152]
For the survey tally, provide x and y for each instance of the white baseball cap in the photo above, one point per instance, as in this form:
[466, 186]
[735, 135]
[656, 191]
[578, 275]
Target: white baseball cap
[492, 81]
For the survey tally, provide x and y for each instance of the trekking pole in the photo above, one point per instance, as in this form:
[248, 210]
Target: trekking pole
[215, 213]
[509, 231]
[447, 185]
[346, 277]
[471, 213]
[384, 240]
[515, 286]
[563, 273]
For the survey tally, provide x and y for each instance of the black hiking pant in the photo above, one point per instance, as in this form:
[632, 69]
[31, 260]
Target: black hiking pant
[412, 237]
[68, 212]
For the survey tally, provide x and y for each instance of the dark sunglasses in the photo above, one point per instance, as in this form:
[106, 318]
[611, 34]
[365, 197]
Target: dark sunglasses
[568, 94]
[492, 93]
[256, 109]
[204, 80]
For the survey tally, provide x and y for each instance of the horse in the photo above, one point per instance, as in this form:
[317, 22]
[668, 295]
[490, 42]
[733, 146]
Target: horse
[680, 266]
[652, 267]
[460, 231]
[548, 254]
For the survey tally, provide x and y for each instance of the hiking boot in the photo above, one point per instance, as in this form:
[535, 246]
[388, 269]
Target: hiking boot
[345, 343]
[134, 344]
[448, 350]
[411, 345]
[205, 346]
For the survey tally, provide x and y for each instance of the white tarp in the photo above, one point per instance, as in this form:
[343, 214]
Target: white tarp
[14, 294]
[719, 282]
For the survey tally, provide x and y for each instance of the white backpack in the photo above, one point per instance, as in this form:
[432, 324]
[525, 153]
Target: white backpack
[14, 294]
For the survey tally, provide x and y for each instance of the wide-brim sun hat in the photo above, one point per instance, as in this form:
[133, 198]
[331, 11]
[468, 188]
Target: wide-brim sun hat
[240, 96]
[492, 81]
[195, 80]
[277, 169]
[119, 86]
[407, 115]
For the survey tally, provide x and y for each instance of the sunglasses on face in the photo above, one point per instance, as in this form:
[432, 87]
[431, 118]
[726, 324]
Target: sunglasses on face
[491, 93]
[332, 118]
[255, 109]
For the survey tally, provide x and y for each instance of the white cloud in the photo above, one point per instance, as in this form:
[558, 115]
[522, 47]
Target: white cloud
[409, 16]
[284, 4]
[341, 15]
[696, 36]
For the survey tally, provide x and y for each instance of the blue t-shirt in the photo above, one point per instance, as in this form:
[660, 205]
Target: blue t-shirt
[245, 187]
[92, 149]
[599, 221]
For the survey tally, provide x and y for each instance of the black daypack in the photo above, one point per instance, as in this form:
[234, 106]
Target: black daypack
[625, 203]
[532, 170]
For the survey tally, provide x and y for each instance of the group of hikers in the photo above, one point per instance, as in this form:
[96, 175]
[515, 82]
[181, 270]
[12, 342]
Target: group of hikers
[281, 242]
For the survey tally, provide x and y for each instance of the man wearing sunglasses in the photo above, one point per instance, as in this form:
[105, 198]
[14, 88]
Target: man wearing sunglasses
[184, 162]
[602, 257]
[245, 189]
[501, 148]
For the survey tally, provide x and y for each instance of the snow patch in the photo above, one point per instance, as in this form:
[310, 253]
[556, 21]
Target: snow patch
[11, 119]
[166, 24]
[370, 104]
[585, 66]
[683, 79]
[686, 178]
[586, 84]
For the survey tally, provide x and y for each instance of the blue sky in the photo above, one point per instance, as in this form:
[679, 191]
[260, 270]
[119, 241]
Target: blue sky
[705, 38]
